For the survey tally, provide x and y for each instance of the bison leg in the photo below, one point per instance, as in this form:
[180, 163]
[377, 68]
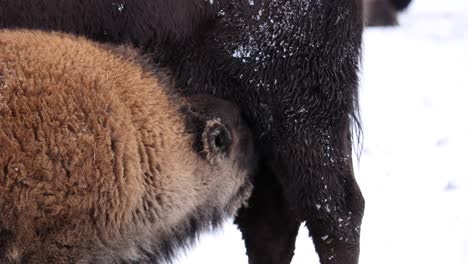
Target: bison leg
[338, 242]
[268, 226]
[330, 249]
[333, 210]
[319, 186]
[334, 220]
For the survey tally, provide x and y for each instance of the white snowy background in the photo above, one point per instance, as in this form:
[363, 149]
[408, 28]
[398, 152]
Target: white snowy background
[413, 169]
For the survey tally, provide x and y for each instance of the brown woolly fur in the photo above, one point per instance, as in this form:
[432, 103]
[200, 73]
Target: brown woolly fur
[100, 164]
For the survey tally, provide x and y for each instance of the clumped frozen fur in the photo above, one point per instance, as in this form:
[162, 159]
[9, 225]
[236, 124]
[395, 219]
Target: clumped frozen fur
[99, 163]
[291, 66]
[383, 12]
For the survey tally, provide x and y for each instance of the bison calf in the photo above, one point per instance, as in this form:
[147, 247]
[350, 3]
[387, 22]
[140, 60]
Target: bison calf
[100, 163]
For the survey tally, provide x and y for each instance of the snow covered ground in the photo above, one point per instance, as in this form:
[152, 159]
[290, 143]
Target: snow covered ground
[414, 167]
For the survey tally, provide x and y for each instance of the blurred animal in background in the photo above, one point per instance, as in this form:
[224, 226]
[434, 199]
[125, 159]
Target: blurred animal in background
[383, 12]
[101, 163]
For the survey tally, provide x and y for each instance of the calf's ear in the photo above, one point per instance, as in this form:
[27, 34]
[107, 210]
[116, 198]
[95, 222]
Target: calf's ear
[217, 140]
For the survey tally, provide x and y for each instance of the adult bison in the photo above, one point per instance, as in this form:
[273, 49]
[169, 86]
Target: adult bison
[292, 67]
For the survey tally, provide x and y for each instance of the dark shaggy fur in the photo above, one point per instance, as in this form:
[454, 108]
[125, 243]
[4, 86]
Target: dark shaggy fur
[291, 66]
[383, 12]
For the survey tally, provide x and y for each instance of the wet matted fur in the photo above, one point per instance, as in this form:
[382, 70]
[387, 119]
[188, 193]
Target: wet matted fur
[291, 66]
[100, 163]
